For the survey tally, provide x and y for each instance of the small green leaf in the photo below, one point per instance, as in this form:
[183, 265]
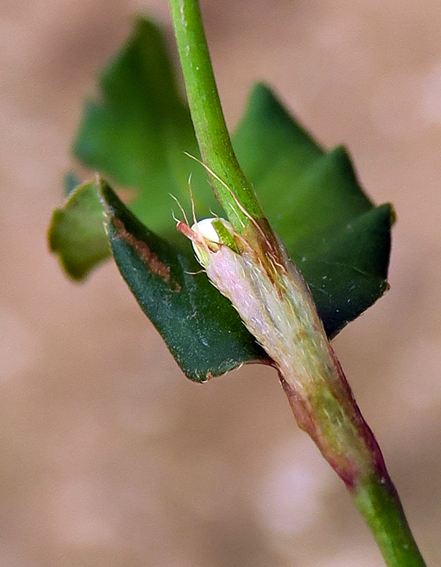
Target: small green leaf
[348, 272]
[312, 199]
[200, 327]
[77, 232]
[136, 133]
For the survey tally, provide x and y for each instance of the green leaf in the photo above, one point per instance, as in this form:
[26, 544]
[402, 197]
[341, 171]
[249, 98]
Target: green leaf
[77, 232]
[201, 329]
[137, 133]
[337, 237]
[348, 272]
[302, 188]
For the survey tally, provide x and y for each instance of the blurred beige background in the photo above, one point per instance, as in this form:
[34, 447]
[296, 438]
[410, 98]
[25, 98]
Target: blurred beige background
[108, 455]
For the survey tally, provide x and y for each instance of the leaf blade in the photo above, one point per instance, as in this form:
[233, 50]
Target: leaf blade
[309, 195]
[137, 131]
[205, 342]
[321, 197]
[76, 233]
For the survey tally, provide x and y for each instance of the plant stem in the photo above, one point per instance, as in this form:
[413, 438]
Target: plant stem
[379, 503]
[208, 119]
[310, 373]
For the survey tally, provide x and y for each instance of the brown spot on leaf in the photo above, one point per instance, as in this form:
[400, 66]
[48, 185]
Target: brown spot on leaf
[149, 258]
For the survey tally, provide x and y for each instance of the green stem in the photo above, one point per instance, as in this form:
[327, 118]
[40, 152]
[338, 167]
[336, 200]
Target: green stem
[208, 119]
[373, 491]
[379, 504]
